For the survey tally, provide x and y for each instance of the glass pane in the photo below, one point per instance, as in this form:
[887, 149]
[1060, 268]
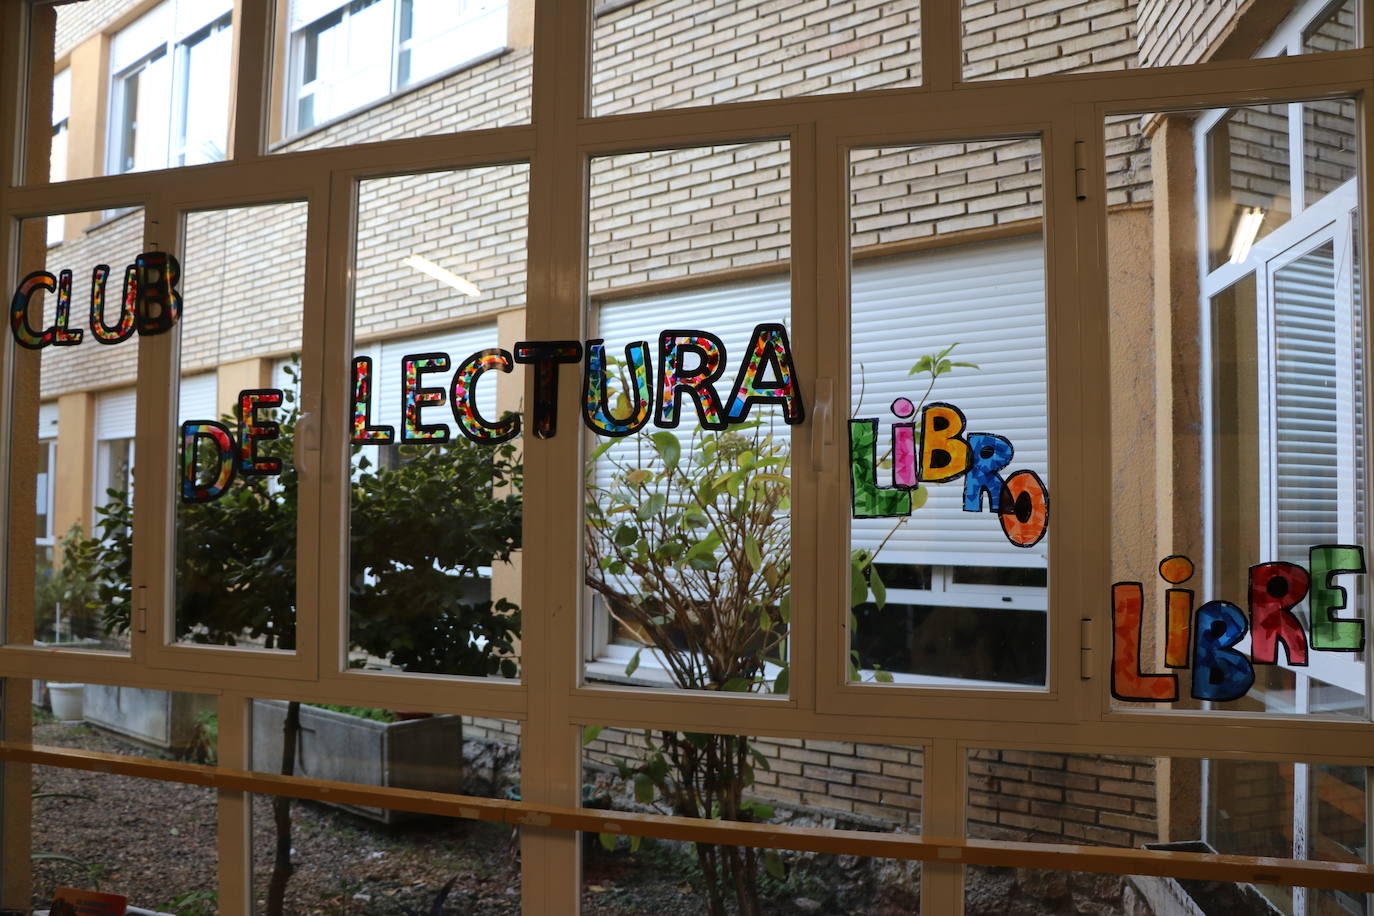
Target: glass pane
[166, 858]
[359, 70]
[1249, 179]
[168, 74]
[948, 432]
[1240, 577]
[1237, 807]
[827, 784]
[656, 54]
[688, 545]
[1005, 39]
[82, 455]
[378, 860]
[235, 480]
[437, 591]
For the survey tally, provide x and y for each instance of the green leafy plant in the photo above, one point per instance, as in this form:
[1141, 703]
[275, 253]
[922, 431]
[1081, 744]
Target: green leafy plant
[193, 903]
[688, 545]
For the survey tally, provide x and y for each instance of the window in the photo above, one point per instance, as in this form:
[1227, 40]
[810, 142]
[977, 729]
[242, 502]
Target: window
[1141, 289]
[344, 57]
[170, 80]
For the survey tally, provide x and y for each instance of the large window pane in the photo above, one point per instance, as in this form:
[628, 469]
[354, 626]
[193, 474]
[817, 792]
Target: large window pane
[165, 857]
[758, 779]
[688, 548]
[436, 491]
[84, 451]
[947, 432]
[375, 859]
[657, 54]
[1244, 588]
[235, 475]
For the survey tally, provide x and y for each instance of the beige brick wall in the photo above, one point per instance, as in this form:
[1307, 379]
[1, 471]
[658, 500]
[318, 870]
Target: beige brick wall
[77, 21]
[671, 53]
[1173, 32]
[1062, 798]
[1015, 38]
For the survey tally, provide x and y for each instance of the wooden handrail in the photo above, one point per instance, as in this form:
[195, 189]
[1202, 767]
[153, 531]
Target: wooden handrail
[954, 851]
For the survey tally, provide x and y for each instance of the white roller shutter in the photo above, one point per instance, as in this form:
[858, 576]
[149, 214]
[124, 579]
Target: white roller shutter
[730, 311]
[989, 298]
[196, 400]
[114, 415]
[1307, 405]
[47, 421]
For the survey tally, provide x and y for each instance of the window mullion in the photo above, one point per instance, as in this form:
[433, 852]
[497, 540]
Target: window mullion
[251, 55]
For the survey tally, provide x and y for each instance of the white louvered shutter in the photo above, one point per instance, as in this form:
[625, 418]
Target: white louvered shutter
[114, 415]
[989, 298]
[1307, 397]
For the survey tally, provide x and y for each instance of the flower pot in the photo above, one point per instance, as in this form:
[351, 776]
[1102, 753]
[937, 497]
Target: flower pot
[68, 700]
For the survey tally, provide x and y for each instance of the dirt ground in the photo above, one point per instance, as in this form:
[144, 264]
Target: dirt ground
[154, 842]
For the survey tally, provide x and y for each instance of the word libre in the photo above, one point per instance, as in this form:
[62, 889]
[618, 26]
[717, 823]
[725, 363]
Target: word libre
[942, 453]
[1205, 639]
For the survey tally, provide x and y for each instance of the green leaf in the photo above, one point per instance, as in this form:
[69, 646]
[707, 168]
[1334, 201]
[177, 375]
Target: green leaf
[875, 583]
[626, 534]
[644, 788]
[752, 552]
[655, 504]
[600, 450]
[882, 677]
[785, 608]
[633, 664]
[737, 685]
[668, 448]
[919, 497]
[967, 365]
[772, 863]
[761, 811]
[608, 841]
[590, 732]
[858, 585]
[634, 843]
[780, 683]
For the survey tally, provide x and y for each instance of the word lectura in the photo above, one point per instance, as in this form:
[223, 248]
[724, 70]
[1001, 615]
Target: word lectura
[1206, 639]
[689, 363]
[942, 453]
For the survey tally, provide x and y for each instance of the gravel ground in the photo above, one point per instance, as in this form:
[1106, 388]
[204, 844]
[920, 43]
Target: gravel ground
[154, 842]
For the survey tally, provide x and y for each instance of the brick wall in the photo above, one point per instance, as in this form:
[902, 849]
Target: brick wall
[78, 21]
[1015, 38]
[671, 53]
[1096, 800]
[1171, 33]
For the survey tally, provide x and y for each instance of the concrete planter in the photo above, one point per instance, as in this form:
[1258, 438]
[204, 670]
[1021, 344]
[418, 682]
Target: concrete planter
[158, 718]
[413, 754]
[66, 700]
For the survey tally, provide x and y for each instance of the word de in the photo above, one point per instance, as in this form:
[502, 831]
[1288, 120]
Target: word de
[150, 303]
[689, 363]
[942, 453]
[1205, 639]
[234, 454]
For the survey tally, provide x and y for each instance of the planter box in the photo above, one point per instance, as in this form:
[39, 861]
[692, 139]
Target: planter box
[158, 718]
[1171, 897]
[413, 754]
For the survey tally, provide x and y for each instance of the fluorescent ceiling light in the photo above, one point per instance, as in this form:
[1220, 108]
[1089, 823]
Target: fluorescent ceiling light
[1247, 230]
[426, 266]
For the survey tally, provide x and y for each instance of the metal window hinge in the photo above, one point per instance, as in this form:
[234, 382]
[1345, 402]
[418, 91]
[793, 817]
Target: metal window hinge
[1080, 169]
[1085, 648]
[141, 609]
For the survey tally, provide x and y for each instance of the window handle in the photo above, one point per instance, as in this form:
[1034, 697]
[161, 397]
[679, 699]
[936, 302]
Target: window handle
[307, 441]
[823, 424]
